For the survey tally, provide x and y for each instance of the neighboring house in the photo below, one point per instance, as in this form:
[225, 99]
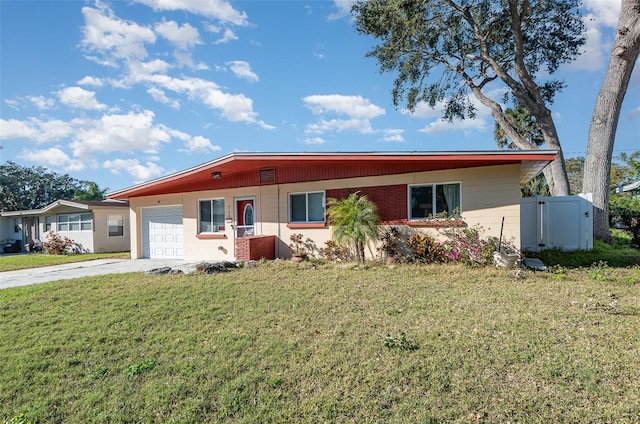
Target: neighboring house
[94, 226]
[247, 205]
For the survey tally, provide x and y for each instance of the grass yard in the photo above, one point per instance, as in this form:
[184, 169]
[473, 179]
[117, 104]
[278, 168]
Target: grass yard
[36, 260]
[284, 342]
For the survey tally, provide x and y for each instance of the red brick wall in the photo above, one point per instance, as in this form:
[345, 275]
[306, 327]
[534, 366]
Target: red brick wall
[391, 200]
[255, 248]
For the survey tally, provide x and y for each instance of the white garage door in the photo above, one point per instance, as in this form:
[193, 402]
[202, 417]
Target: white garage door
[162, 235]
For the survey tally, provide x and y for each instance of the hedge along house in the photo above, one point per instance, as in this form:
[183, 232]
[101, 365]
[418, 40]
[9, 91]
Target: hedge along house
[94, 226]
[246, 206]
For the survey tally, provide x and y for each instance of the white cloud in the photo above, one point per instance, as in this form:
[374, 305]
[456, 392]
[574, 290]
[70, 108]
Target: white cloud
[92, 81]
[118, 133]
[200, 144]
[134, 168]
[12, 103]
[606, 12]
[107, 34]
[314, 140]
[601, 17]
[358, 110]
[227, 36]
[635, 113]
[12, 128]
[201, 67]
[393, 135]
[234, 107]
[80, 98]
[424, 111]
[52, 157]
[182, 37]
[140, 71]
[183, 58]
[339, 125]
[482, 121]
[217, 9]
[242, 69]
[352, 106]
[104, 61]
[467, 125]
[41, 102]
[53, 130]
[593, 53]
[344, 9]
[160, 97]
[35, 130]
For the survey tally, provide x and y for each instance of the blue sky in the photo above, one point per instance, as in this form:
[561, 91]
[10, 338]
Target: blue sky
[120, 92]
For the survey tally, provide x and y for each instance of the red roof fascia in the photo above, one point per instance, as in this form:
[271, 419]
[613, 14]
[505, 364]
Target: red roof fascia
[241, 170]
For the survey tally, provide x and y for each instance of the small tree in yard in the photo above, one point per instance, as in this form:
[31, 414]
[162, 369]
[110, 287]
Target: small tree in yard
[355, 222]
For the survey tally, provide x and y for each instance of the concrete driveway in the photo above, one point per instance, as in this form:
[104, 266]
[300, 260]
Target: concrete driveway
[25, 277]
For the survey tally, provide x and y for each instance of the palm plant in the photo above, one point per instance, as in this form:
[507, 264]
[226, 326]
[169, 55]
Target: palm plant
[524, 123]
[355, 222]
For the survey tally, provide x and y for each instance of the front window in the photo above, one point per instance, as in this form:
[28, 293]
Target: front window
[211, 216]
[306, 207]
[434, 200]
[115, 225]
[75, 222]
[48, 223]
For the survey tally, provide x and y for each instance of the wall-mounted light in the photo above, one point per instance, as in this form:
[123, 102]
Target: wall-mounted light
[216, 175]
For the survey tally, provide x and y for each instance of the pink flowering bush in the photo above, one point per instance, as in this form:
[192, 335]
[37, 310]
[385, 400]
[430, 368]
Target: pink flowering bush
[467, 246]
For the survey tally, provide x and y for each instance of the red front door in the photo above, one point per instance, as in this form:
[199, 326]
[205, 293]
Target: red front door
[245, 218]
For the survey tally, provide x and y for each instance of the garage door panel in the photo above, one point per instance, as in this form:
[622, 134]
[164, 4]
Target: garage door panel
[162, 232]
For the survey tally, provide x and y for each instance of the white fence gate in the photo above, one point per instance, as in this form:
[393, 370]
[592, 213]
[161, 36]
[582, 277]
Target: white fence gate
[563, 222]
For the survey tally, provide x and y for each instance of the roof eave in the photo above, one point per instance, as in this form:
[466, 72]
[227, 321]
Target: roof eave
[544, 156]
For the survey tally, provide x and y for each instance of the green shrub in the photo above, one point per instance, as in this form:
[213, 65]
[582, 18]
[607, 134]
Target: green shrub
[625, 209]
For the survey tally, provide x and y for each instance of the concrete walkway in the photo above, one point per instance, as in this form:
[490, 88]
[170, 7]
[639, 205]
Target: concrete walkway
[25, 277]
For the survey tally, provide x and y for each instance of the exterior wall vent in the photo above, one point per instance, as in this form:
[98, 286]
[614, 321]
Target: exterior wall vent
[268, 176]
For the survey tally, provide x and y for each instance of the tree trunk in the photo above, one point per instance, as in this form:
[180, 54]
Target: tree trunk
[560, 184]
[604, 122]
[360, 251]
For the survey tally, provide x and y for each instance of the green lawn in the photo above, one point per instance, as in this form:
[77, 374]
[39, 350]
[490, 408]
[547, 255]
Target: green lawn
[284, 342]
[36, 260]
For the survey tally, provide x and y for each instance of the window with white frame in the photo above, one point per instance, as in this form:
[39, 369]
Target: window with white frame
[211, 216]
[431, 200]
[115, 225]
[306, 207]
[75, 222]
